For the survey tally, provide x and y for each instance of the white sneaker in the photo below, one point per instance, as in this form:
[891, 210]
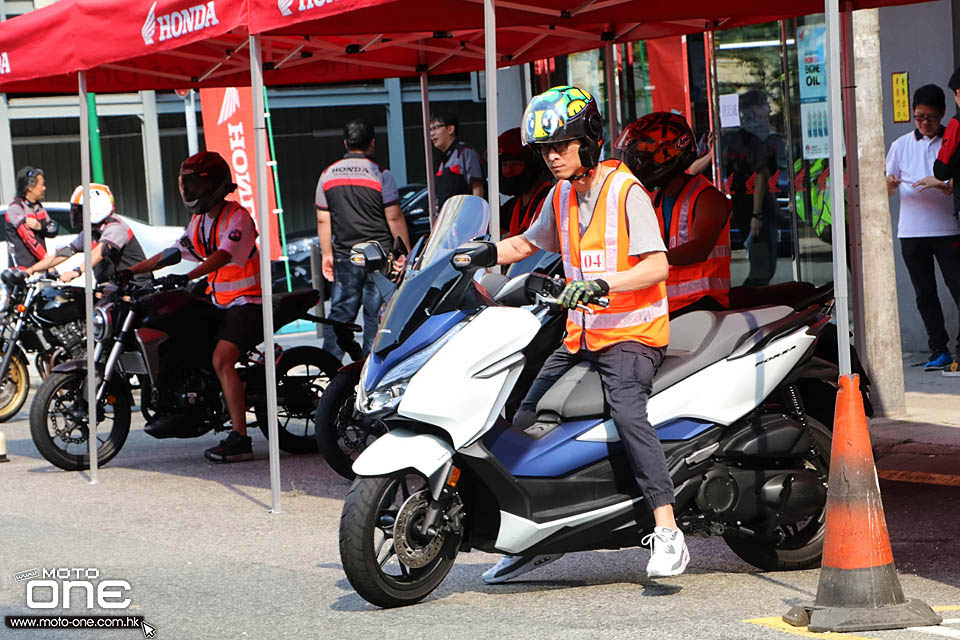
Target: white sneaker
[513, 566]
[668, 552]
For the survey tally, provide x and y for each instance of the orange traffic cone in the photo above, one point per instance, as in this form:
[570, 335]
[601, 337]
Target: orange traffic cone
[859, 589]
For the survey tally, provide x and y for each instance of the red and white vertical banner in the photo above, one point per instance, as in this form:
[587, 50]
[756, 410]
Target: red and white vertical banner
[228, 130]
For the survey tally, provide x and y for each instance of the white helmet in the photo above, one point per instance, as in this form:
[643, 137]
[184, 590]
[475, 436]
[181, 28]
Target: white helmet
[101, 204]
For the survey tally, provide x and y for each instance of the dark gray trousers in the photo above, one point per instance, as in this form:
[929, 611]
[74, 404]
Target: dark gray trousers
[626, 371]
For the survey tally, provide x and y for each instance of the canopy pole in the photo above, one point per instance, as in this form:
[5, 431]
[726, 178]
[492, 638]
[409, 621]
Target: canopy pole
[710, 47]
[428, 148]
[610, 63]
[788, 126]
[88, 275]
[493, 160]
[190, 114]
[835, 108]
[263, 224]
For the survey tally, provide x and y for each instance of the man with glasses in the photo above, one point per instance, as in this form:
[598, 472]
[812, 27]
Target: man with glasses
[928, 228]
[26, 222]
[460, 170]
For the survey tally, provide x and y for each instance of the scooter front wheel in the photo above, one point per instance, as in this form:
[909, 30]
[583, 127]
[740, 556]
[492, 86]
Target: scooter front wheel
[386, 557]
[59, 424]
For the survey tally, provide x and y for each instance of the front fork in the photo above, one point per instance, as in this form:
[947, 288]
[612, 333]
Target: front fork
[10, 343]
[114, 354]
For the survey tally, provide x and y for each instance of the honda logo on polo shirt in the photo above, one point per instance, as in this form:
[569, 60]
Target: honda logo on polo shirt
[4, 63]
[178, 23]
[286, 6]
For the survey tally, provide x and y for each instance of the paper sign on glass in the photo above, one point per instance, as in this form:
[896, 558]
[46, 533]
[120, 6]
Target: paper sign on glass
[729, 110]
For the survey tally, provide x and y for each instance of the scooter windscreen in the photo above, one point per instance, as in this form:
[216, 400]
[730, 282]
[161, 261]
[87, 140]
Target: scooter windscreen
[463, 218]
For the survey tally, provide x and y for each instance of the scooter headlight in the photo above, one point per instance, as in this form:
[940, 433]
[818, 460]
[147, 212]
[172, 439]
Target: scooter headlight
[388, 393]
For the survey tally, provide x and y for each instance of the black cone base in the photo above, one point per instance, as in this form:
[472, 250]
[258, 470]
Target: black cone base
[912, 613]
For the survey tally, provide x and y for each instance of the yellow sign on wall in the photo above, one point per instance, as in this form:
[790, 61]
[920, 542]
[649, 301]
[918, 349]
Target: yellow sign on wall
[901, 97]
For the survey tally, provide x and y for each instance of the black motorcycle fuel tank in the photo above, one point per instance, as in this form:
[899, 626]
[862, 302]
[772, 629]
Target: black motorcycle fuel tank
[191, 323]
[58, 305]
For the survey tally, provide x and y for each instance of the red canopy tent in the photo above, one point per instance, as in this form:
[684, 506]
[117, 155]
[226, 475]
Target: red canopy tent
[172, 44]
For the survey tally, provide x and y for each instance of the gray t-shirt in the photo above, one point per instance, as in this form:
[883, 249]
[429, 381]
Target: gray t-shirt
[642, 225]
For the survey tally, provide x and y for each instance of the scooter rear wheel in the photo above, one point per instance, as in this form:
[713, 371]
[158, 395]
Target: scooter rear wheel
[372, 512]
[802, 543]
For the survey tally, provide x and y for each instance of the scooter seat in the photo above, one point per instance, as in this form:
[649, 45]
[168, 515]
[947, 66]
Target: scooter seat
[697, 340]
[289, 306]
[700, 338]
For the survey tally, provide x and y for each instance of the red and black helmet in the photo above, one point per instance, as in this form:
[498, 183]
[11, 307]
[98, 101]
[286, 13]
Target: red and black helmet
[656, 148]
[510, 147]
[204, 181]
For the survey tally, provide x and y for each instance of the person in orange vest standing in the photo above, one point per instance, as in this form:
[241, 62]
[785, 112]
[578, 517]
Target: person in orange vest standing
[222, 237]
[603, 224]
[694, 216]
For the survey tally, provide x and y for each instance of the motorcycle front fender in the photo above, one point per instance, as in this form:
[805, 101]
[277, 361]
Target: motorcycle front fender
[403, 449]
[71, 365]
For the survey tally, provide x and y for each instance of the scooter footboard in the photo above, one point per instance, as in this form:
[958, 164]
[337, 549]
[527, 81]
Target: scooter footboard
[403, 449]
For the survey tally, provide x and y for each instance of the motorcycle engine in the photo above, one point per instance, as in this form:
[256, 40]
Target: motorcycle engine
[70, 336]
[198, 396]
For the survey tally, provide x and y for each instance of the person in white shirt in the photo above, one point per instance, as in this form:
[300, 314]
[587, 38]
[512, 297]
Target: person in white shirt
[928, 228]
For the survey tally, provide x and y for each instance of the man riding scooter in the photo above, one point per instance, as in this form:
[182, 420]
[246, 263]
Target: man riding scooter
[111, 236]
[221, 236]
[603, 224]
[694, 216]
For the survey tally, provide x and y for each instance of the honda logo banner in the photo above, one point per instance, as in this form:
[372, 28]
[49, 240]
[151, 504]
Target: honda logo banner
[228, 130]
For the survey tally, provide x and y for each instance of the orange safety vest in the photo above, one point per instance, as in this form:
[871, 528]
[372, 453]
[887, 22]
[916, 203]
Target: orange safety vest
[688, 283]
[230, 281]
[604, 249]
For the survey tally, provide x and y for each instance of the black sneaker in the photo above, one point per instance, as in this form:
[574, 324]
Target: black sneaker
[233, 448]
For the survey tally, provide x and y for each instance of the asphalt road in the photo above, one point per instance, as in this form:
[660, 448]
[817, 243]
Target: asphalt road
[206, 559]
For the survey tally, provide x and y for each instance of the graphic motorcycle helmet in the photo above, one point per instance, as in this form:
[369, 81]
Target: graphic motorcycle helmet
[510, 147]
[102, 204]
[565, 113]
[656, 148]
[204, 181]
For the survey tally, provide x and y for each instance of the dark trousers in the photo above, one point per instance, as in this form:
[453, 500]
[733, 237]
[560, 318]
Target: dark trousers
[352, 286]
[626, 371]
[919, 255]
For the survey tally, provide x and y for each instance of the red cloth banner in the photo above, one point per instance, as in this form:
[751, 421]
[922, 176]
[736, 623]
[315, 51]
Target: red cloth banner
[228, 130]
[668, 75]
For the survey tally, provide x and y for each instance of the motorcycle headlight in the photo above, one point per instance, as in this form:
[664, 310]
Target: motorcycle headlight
[101, 323]
[388, 393]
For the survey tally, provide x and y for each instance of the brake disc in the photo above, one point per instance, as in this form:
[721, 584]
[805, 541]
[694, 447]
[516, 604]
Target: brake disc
[414, 549]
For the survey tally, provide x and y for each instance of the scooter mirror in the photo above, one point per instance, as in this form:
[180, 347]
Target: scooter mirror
[474, 255]
[168, 258]
[368, 255]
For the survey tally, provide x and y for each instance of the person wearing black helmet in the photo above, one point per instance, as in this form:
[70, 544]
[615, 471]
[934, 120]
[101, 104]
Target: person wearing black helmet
[601, 221]
[522, 176]
[221, 236]
[26, 222]
[694, 216]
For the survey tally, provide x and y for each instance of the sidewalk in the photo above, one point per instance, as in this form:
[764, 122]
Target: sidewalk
[930, 430]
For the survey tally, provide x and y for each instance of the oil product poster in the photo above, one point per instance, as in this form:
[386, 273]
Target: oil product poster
[812, 61]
